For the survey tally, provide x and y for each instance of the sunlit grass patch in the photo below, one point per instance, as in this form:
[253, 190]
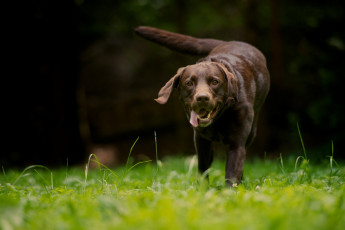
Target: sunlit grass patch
[276, 194]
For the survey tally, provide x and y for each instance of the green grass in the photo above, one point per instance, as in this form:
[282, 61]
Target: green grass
[280, 194]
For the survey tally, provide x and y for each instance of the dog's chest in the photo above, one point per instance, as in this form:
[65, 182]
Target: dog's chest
[222, 128]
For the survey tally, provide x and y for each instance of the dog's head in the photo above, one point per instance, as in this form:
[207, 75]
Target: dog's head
[205, 89]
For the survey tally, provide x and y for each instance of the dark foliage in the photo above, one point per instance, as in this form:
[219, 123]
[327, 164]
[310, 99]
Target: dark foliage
[77, 76]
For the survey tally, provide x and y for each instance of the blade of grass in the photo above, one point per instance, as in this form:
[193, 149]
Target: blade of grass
[156, 151]
[45, 181]
[282, 163]
[127, 168]
[331, 160]
[34, 168]
[87, 168]
[296, 162]
[100, 165]
[3, 172]
[141, 162]
[301, 139]
[130, 152]
[192, 164]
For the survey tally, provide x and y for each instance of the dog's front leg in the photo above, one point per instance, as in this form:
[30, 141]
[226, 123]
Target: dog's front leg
[234, 165]
[204, 150]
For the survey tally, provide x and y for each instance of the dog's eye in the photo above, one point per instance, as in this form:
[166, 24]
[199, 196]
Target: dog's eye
[215, 82]
[189, 83]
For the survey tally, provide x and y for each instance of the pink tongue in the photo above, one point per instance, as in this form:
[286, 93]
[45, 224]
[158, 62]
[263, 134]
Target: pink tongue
[193, 119]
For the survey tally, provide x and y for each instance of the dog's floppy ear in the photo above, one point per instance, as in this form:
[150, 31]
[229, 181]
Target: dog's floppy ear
[166, 91]
[232, 82]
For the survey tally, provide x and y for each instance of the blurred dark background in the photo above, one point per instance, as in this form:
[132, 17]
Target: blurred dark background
[76, 79]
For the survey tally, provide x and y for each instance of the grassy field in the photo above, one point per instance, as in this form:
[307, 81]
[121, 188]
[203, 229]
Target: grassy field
[275, 194]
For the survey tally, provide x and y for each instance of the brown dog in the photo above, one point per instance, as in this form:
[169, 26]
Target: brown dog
[222, 94]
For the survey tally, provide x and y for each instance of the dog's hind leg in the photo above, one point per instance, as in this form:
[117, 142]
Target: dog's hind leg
[252, 133]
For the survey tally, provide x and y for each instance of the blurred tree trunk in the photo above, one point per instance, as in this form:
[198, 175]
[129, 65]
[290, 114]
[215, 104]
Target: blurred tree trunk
[278, 105]
[277, 62]
[42, 122]
[180, 17]
[250, 15]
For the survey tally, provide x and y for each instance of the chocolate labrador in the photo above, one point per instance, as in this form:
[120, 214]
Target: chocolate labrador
[222, 94]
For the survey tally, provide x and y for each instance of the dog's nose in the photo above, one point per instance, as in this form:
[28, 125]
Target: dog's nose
[202, 97]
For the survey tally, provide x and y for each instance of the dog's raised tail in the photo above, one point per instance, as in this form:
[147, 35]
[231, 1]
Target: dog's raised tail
[178, 42]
